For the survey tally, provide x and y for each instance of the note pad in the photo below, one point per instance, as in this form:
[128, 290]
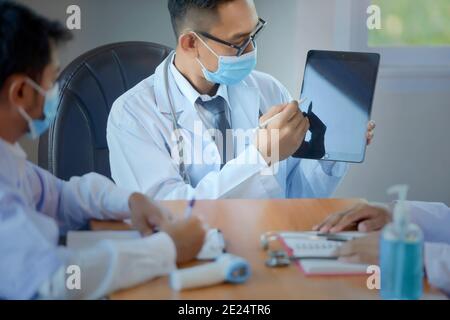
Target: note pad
[309, 245]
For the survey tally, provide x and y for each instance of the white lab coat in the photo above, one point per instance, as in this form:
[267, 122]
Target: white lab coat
[140, 139]
[434, 220]
[36, 208]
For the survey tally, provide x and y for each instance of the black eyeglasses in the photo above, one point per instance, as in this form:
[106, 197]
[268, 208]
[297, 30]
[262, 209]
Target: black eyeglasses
[240, 49]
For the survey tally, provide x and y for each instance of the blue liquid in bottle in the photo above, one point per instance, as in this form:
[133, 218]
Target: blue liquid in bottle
[401, 262]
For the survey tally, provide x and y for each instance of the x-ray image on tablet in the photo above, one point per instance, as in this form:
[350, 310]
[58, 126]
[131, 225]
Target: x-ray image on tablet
[339, 87]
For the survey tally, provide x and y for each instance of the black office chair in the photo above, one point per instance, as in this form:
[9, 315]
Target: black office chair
[76, 142]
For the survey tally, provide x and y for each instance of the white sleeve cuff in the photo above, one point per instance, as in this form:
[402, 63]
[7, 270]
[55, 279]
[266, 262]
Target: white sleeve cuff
[93, 196]
[118, 200]
[437, 265]
[162, 244]
[112, 265]
[250, 162]
[267, 174]
[251, 157]
[143, 259]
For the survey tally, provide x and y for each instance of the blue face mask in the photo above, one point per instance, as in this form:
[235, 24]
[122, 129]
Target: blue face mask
[231, 69]
[38, 126]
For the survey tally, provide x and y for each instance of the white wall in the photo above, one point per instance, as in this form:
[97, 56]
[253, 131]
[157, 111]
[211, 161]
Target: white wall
[412, 140]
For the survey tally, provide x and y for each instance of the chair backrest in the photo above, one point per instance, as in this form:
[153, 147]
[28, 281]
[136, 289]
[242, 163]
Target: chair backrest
[76, 142]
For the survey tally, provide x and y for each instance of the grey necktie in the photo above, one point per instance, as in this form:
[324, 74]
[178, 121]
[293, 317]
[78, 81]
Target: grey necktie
[217, 109]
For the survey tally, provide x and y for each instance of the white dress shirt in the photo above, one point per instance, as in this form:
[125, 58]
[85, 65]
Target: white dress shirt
[193, 95]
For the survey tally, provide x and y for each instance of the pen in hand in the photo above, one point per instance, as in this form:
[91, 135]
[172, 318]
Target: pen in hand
[268, 121]
[189, 208]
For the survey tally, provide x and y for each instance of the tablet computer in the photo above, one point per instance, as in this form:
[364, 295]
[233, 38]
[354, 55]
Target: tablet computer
[339, 88]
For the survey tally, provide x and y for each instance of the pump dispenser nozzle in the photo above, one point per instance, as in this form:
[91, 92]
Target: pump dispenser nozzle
[401, 216]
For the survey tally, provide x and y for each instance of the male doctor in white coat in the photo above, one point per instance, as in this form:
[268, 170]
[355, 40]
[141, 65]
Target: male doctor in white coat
[208, 84]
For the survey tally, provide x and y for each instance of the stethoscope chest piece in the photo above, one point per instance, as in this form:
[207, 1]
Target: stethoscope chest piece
[278, 258]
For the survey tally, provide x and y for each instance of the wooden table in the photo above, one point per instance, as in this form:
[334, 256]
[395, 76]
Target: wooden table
[242, 222]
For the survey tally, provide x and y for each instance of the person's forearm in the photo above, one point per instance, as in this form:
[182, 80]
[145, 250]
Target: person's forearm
[433, 219]
[92, 197]
[234, 180]
[111, 266]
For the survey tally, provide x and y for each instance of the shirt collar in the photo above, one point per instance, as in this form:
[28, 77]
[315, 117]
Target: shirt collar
[12, 163]
[14, 149]
[189, 91]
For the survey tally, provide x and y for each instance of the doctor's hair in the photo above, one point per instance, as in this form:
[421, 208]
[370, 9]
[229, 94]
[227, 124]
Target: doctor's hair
[191, 13]
[26, 40]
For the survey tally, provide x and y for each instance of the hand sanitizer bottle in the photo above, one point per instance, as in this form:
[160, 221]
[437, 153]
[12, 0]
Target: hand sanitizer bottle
[401, 253]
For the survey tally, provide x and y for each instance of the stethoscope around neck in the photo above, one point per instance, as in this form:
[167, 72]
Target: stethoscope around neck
[175, 126]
